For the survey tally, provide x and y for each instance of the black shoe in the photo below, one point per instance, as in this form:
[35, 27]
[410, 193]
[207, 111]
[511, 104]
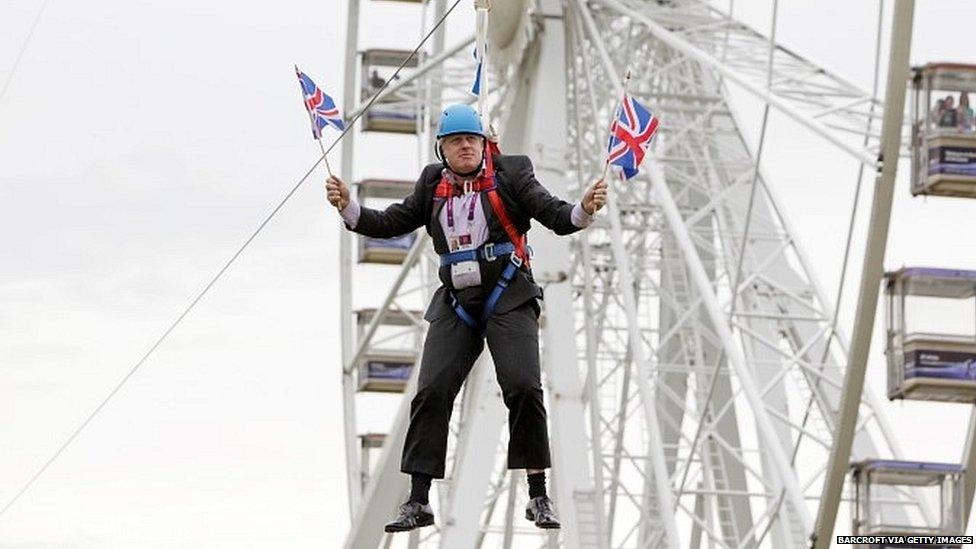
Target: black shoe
[412, 515]
[541, 511]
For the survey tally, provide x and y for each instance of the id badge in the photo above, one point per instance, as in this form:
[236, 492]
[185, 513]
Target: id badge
[466, 273]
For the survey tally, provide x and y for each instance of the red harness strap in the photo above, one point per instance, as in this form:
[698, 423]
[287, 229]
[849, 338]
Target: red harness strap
[498, 206]
[445, 189]
[486, 183]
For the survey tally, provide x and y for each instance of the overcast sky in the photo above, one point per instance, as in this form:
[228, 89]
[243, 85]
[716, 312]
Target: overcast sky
[142, 141]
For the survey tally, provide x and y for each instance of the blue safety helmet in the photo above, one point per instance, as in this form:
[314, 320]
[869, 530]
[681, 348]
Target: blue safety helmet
[460, 118]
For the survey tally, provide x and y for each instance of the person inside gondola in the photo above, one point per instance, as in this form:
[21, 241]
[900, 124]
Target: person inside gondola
[375, 80]
[936, 110]
[947, 113]
[964, 113]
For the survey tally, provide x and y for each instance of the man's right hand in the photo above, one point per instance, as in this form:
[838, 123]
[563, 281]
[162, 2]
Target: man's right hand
[337, 192]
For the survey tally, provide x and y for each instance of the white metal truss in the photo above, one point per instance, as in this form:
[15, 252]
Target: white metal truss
[811, 95]
[693, 372]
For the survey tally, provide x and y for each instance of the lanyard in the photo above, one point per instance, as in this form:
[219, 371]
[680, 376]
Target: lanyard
[450, 211]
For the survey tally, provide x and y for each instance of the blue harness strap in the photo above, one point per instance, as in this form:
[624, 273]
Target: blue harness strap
[464, 315]
[503, 281]
[486, 252]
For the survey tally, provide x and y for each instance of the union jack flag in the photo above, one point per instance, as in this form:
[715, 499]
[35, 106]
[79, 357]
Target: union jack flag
[630, 136]
[321, 108]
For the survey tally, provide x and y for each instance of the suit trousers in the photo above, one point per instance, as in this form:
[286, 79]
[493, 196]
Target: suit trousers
[450, 351]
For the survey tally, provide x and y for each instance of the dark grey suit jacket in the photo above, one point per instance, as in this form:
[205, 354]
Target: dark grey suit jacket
[524, 198]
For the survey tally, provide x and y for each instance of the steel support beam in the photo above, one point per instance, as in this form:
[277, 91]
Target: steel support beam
[871, 273]
[353, 474]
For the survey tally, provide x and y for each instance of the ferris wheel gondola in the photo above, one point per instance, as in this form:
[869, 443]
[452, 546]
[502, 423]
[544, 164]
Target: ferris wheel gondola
[876, 515]
[397, 113]
[931, 326]
[943, 130]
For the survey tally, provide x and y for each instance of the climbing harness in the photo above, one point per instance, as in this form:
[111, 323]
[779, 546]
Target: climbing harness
[517, 248]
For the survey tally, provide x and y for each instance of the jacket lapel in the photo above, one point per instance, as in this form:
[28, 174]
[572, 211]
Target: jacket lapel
[486, 209]
[496, 233]
[436, 231]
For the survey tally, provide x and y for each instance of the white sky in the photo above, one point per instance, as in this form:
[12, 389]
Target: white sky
[141, 141]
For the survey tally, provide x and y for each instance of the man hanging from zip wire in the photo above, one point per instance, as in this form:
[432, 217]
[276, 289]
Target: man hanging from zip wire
[476, 207]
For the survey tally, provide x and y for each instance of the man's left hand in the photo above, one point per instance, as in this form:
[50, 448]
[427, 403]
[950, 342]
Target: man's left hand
[595, 197]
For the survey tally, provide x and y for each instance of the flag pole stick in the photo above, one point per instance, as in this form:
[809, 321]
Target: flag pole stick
[328, 168]
[616, 115]
[315, 132]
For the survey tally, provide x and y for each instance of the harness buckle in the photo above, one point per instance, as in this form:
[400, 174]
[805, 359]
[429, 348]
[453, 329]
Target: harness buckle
[468, 186]
[516, 260]
[490, 251]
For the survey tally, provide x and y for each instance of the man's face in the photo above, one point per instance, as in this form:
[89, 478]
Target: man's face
[463, 152]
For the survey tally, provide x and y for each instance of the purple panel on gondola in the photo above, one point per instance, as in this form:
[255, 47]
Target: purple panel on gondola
[940, 364]
[913, 466]
[934, 272]
[952, 160]
[403, 242]
[390, 115]
[388, 370]
[933, 282]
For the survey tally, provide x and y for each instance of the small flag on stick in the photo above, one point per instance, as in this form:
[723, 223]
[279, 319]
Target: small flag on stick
[630, 135]
[322, 109]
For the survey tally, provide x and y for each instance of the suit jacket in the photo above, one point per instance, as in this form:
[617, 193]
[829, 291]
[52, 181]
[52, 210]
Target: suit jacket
[524, 198]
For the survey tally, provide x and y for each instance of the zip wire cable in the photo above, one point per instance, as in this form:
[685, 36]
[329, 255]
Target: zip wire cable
[216, 277]
[23, 48]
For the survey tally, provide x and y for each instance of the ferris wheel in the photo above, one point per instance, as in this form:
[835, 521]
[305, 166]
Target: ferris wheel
[700, 390]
